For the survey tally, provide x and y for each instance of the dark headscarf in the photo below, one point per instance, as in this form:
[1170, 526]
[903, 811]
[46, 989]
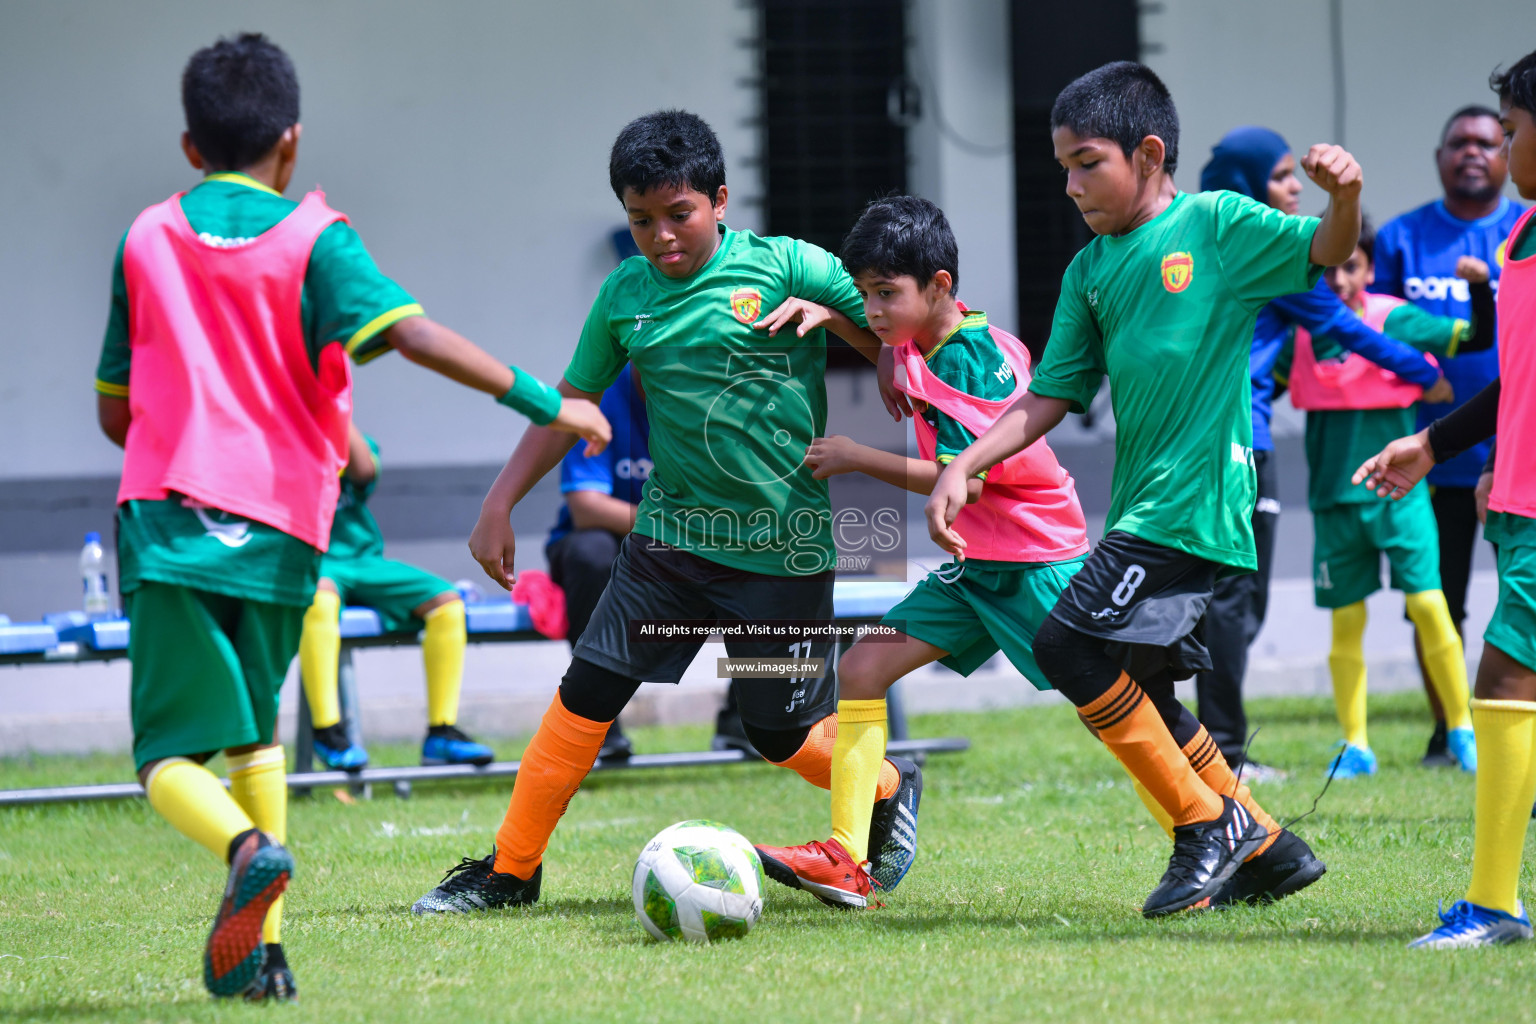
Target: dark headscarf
[1243, 161]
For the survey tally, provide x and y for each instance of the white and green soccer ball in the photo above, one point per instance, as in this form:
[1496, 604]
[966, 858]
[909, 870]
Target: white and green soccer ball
[699, 881]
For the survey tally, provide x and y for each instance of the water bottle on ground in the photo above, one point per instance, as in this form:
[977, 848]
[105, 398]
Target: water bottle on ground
[93, 579]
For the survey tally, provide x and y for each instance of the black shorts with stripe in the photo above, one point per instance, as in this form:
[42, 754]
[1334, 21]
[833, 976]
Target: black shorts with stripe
[1147, 602]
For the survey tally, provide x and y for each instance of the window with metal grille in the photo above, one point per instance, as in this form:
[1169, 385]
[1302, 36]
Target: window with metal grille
[1052, 45]
[833, 90]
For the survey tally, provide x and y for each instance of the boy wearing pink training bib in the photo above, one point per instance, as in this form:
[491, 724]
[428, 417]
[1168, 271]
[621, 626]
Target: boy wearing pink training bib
[1025, 540]
[224, 376]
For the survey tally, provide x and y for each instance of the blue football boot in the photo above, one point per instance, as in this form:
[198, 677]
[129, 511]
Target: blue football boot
[337, 752]
[1467, 925]
[1352, 761]
[447, 744]
[1462, 745]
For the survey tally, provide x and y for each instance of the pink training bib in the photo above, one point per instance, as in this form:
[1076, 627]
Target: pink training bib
[1028, 510]
[1514, 471]
[226, 406]
[1353, 382]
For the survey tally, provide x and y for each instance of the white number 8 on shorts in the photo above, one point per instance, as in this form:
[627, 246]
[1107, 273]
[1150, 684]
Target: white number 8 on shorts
[1128, 584]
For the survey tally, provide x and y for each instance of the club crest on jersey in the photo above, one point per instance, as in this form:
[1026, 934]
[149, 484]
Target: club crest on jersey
[746, 304]
[1498, 254]
[1178, 271]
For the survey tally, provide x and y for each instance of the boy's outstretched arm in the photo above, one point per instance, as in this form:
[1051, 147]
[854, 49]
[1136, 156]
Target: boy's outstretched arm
[1025, 422]
[1338, 174]
[428, 343]
[831, 456]
[493, 543]
[1397, 468]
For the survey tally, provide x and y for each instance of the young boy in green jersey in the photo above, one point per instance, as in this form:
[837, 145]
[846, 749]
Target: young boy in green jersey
[732, 529]
[1353, 409]
[355, 571]
[1026, 540]
[1504, 697]
[223, 375]
[1163, 302]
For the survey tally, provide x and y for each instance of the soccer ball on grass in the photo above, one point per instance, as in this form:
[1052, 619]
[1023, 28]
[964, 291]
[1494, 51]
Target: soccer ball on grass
[699, 881]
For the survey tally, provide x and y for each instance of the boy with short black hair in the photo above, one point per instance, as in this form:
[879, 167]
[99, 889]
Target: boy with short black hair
[1504, 697]
[224, 377]
[1354, 408]
[1163, 302]
[732, 527]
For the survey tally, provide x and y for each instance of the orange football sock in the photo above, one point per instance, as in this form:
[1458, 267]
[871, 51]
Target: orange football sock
[1131, 727]
[557, 759]
[1210, 764]
[813, 761]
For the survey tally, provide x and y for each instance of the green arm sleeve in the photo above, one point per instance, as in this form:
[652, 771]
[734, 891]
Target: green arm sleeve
[1424, 330]
[599, 358]
[116, 358]
[818, 276]
[347, 299]
[1264, 253]
[1072, 367]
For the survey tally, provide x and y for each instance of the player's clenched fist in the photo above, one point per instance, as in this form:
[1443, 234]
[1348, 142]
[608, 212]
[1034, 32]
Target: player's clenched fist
[831, 456]
[1333, 170]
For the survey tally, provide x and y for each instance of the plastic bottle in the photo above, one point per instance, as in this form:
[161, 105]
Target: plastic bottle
[93, 579]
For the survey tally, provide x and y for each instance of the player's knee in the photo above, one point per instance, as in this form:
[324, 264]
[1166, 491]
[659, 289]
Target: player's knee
[1075, 663]
[432, 604]
[777, 745]
[595, 693]
[858, 675]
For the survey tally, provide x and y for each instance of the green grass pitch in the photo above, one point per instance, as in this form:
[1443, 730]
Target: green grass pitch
[1023, 904]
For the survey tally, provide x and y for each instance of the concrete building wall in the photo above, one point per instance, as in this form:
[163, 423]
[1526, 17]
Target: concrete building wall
[1407, 65]
[467, 141]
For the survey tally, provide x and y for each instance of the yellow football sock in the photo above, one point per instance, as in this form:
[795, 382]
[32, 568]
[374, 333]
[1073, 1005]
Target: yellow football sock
[1506, 785]
[1346, 662]
[193, 800]
[258, 782]
[1444, 658]
[319, 648]
[857, 757]
[442, 652]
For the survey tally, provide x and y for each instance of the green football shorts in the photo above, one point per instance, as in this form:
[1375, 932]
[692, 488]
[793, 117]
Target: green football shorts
[390, 588]
[985, 607]
[1513, 626]
[1348, 542]
[206, 669]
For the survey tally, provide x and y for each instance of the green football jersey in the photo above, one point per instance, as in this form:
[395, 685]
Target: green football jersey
[1339, 440]
[354, 531]
[1167, 312]
[969, 361]
[732, 410]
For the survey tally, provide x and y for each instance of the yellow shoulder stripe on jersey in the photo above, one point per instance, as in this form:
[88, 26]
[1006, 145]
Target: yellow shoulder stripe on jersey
[973, 319]
[381, 322]
[106, 387]
[236, 178]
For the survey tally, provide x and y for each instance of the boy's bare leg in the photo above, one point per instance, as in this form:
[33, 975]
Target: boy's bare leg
[834, 871]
